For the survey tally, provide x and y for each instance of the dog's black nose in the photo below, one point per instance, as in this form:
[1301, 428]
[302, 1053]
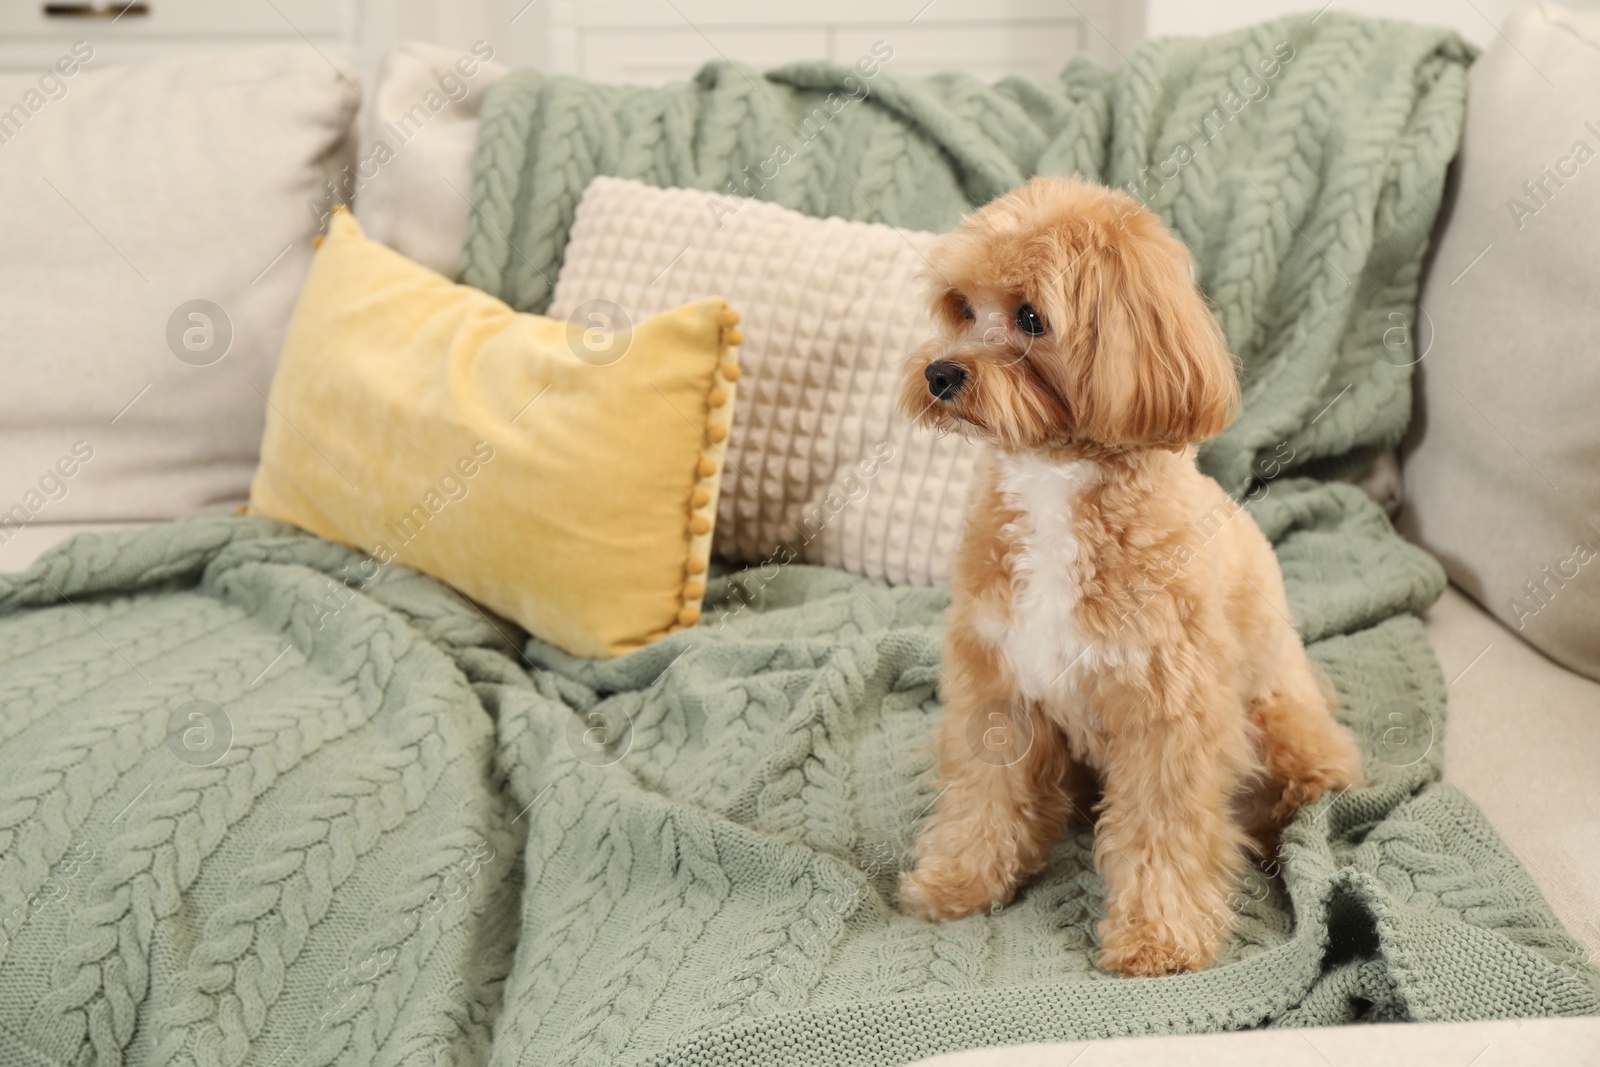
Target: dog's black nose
[944, 378]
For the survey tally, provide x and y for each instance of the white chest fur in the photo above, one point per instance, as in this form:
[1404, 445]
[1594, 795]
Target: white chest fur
[1041, 639]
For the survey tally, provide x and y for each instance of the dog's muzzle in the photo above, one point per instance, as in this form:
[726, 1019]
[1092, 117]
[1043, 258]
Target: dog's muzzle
[945, 378]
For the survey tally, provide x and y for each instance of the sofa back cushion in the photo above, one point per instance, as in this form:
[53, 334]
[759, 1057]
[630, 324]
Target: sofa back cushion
[418, 138]
[158, 224]
[1503, 462]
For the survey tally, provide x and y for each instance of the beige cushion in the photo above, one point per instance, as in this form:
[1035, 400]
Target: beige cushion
[1514, 1043]
[818, 459]
[140, 190]
[1523, 741]
[1503, 465]
[424, 114]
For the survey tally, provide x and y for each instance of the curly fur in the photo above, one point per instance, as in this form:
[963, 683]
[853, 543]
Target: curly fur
[1115, 621]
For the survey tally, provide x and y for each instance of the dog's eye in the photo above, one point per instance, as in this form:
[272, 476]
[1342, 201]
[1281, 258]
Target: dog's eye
[966, 308]
[1029, 321]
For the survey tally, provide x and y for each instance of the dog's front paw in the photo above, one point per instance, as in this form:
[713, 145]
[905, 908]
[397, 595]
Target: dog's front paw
[1149, 949]
[939, 892]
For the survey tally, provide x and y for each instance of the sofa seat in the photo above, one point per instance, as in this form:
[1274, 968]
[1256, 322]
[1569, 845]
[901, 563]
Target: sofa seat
[1523, 741]
[1500, 1043]
[20, 547]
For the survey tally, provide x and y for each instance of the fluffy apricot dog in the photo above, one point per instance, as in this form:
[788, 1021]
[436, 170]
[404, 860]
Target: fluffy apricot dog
[1114, 615]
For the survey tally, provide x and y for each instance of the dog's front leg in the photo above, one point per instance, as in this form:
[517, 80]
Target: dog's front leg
[1003, 802]
[1166, 842]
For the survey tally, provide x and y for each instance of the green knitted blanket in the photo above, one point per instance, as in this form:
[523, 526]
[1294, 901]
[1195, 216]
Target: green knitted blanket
[259, 810]
[253, 809]
[1302, 161]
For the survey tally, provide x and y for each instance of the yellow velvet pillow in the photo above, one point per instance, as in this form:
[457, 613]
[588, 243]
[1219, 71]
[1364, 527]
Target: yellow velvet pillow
[563, 475]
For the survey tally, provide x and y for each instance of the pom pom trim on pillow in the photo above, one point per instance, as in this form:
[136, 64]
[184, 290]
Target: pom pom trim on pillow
[703, 498]
[400, 422]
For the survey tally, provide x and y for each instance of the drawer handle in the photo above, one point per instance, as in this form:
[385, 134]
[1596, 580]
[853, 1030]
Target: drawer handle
[95, 11]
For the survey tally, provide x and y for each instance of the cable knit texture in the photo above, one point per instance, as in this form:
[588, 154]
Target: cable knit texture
[412, 836]
[265, 804]
[1302, 161]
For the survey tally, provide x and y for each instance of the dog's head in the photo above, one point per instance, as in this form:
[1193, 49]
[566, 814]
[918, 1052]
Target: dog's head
[1065, 315]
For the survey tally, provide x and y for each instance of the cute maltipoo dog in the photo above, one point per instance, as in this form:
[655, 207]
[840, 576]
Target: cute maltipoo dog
[1115, 616]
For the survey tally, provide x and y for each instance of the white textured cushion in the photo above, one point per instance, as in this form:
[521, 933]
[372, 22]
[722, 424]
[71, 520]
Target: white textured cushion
[818, 460]
[137, 191]
[1503, 463]
[417, 201]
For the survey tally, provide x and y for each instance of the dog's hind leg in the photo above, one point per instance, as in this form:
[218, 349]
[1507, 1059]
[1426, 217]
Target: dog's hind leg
[1302, 745]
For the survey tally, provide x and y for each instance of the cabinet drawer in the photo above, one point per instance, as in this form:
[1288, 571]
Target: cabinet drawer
[668, 53]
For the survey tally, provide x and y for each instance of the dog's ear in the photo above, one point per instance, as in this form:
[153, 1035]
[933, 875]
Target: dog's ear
[1160, 372]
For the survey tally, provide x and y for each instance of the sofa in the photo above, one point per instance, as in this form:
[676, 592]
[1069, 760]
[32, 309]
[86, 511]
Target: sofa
[212, 269]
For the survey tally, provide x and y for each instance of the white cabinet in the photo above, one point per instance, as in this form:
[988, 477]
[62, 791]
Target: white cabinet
[33, 33]
[170, 18]
[645, 41]
[652, 41]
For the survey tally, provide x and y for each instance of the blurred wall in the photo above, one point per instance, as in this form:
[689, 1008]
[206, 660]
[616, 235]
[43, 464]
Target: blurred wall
[652, 40]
